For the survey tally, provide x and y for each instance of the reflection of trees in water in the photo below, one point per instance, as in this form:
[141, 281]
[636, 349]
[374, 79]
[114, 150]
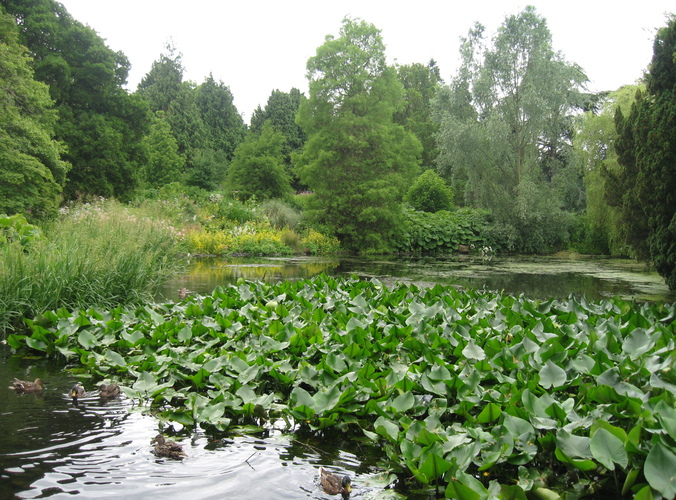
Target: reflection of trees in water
[228, 271]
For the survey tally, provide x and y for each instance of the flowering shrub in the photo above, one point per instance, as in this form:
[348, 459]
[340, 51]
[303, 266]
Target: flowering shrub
[320, 244]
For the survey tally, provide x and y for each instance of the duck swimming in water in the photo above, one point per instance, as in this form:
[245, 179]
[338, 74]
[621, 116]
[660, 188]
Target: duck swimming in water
[109, 391]
[169, 449]
[24, 386]
[334, 484]
[77, 391]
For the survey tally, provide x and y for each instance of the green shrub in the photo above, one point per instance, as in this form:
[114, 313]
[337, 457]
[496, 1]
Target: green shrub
[429, 193]
[442, 232]
[280, 214]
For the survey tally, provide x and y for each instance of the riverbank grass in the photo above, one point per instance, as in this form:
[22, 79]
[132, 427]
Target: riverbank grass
[96, 255]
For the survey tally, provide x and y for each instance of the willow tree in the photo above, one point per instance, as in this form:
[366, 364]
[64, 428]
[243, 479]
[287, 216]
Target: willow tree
[357, 160]
[505, 129]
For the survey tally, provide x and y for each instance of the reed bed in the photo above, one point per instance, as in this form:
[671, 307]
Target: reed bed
[96, 255]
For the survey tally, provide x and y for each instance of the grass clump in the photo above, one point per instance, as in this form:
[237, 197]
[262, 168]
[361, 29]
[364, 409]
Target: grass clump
[95, 255]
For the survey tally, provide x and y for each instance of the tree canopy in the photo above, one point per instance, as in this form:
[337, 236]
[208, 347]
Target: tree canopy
[32, 172]
[357, 160]
[505, 130]
[645, 188]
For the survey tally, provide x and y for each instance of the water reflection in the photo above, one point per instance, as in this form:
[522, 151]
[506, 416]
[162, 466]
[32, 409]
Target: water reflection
[539, 277]
[51, 447]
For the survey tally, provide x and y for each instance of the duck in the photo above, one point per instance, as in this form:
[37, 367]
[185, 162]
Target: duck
[169, 449]
[77, 391]
[24, 386]
[334, 484]
[109, 391]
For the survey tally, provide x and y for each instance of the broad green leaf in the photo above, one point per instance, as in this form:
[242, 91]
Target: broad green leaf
[608, 449]
[114, 358]
[660, 470]
[386, 428]
[459, 491]
[490, 413]
[638, 342]
[403, 402]
[552, 375]
[574, 446]
[86, 339]
[473, 351]
[433, 467]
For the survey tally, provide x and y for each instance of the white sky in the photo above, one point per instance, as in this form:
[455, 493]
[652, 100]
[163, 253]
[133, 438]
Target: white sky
[257, 46]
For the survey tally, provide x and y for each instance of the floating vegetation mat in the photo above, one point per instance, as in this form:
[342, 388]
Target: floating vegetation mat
[477, 394]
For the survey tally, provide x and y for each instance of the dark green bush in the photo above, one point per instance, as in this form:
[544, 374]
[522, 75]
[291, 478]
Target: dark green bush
[429, 193]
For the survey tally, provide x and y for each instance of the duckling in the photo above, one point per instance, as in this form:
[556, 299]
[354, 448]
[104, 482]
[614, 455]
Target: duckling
[77, 391]
[169, 449]
[109, 391]
[23, 386]
[333, 484]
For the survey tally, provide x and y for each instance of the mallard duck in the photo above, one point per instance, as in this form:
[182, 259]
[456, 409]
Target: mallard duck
[109, 391]
[333, 484]
[77, 391]
[169, 449]
[23, 386]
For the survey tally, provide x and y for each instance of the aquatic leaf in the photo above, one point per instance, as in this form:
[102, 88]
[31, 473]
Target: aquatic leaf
[459, 491]
[584, 465]
[473, 351]
[608, 449]
[552, 375]
[574, 446]
[386, 428]
[638, 342]
[490, 413]
[660, 470]
[403, 402]
[433, 467]
[114, 358]
[86, 339]
[540, 493]
[513, 492]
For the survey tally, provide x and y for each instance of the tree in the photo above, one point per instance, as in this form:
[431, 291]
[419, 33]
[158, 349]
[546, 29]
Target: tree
[32, 173]
[594, 145]
[258, 167]
[163, 163]
[224, 127]
[281, 110]
[357, 160]
[420, 83]
[100, 123]
[646, 149]
[429, 193]
[163, 83]
[505, 130]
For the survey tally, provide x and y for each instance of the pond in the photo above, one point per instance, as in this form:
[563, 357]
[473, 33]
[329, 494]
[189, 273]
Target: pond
[538, 277]
[52, 447]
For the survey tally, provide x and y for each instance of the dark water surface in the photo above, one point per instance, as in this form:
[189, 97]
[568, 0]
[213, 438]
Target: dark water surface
[53, 448]
[538, 277]
[50, 447]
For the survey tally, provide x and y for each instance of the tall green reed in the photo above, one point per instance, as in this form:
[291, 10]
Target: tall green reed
[96, 255]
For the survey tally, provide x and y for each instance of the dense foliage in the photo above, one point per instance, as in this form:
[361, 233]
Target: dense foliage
[99, 254]
[430, 193]
[443, 232]
[646, 149]
[483, 395]
[357, 160]
[504, 138]
[32, 173]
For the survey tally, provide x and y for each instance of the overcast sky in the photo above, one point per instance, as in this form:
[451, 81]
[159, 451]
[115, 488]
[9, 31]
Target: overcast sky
[256, 46]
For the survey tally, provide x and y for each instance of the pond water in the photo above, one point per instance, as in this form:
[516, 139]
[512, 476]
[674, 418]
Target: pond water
[538, 277]
[51, 447]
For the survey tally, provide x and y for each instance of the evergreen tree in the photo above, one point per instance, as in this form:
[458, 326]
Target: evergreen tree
[258, 167]
[646, 149]
[31, 170]
[357, 161]
[100, 123]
